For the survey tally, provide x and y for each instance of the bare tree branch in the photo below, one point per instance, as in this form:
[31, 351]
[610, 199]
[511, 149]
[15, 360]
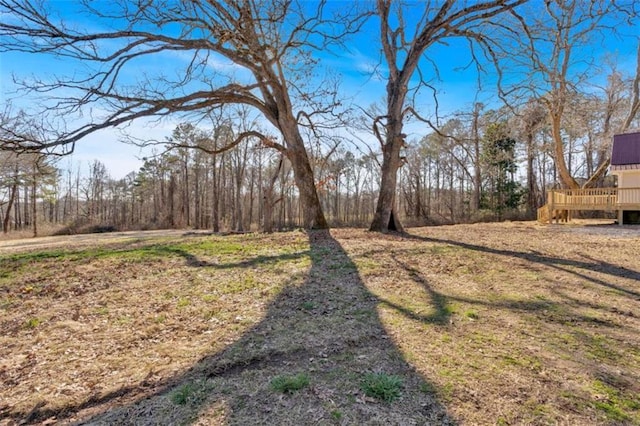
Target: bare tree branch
[256, 53]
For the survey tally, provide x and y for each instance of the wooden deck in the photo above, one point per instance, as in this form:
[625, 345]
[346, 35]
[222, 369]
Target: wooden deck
[606, 199]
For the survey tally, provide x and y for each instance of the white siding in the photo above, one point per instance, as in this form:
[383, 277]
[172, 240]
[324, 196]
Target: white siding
[628, 179]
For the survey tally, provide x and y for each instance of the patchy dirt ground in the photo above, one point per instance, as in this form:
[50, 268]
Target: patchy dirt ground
[512, 323]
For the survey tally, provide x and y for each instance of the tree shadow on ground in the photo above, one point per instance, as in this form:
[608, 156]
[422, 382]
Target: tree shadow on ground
[565, 265]
[442, 312]
[326, 329]
[538, 333]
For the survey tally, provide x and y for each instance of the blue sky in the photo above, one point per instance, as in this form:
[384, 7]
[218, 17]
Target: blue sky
[457, 86]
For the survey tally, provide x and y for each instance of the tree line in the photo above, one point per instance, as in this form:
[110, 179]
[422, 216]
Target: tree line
[551, 127]
[479, 165]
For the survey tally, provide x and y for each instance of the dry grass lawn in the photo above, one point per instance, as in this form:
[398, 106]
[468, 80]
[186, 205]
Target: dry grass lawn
[512, 323]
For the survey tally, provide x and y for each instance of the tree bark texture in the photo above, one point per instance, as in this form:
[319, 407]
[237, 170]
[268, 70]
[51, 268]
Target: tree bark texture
[386, 217]
[558, 148]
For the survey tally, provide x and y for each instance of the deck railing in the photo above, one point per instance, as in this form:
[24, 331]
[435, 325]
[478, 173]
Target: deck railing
[607, 199]
[588, 198]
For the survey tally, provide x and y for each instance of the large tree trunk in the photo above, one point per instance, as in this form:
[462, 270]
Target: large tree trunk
[532, 188]
[7, 216]
[34, 203]
[386, 217]
[269, 201]
[561, 166]
[239, 225]
[312, 215]
[215, 212]
[477, 177]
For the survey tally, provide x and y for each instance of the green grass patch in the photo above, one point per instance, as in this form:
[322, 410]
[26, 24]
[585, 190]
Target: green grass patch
[32, 322]
[181, 395]
[191, 393]
[290, 384]
[471, 314]
[382, 386]
[611, 411]
[124, 320]
[615, 405]
[600, 349]
[103, 310]
[366, 264]
[530, 363]
[208, 298]
[245, 283]
[307, 306]
[509, 360]
[443, 249]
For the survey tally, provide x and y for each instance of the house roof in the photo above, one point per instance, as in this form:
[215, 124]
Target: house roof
[626, 149]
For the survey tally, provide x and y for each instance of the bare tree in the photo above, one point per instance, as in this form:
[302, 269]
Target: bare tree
[9, 179]
[556, 48]
[630, 115]
[531, 118]
[269, 197]
[267, 45]
[403, 50]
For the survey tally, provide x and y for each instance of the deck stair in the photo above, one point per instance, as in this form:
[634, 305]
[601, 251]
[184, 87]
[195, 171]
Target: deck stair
[544, 214]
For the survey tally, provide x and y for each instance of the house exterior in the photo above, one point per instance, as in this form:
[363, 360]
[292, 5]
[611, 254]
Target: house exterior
[625, 165]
